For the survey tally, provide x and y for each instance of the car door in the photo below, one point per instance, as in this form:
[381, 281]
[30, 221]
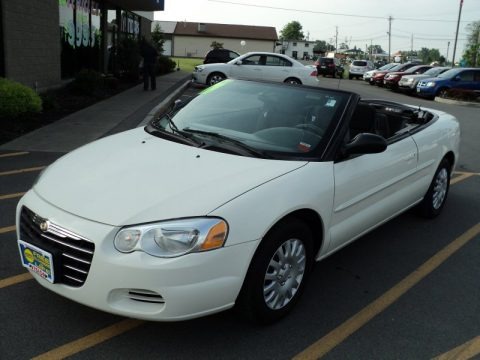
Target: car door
[465, 80]
[276, 68]
[250, 68]
[372, 188]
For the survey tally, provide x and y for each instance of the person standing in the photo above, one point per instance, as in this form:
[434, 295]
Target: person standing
[149, 54]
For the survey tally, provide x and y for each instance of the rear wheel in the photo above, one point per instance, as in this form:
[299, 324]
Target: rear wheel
[293, 81]
[277, 273]
[215, 78]
[434, 200]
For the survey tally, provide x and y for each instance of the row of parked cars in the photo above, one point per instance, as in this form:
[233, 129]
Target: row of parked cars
[423, 80]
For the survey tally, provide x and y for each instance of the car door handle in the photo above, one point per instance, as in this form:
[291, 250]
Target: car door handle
[410, 157]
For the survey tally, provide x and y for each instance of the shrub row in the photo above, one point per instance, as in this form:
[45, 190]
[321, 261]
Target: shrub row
[17, 99]
[463, 95]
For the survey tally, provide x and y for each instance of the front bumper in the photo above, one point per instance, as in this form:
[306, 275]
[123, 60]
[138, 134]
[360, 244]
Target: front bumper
[141, 286]
[428, 92]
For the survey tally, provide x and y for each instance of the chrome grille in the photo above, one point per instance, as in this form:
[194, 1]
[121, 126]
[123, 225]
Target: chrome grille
[72, 253]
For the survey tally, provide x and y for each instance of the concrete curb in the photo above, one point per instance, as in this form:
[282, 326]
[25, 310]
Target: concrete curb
[456, 102]
[161, 107]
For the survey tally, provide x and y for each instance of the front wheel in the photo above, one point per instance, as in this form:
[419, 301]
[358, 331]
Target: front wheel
[434, 200]
[215, 78]
[277, 273]
[442, 92]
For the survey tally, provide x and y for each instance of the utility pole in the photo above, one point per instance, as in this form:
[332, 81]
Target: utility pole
[336, 38]
[411, 45]
[456, 34]
[390, 38]
[448, 48]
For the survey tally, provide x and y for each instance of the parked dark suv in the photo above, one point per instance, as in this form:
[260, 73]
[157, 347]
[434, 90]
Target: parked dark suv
[329, 66]
[220, 56]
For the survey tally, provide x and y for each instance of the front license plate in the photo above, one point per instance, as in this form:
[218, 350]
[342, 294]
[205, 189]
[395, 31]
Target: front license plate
[36, 260]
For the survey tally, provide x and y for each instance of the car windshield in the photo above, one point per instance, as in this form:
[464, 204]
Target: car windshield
[435, 71]
[449, 73]
[276, 120]
[387, 67]
[359, 63]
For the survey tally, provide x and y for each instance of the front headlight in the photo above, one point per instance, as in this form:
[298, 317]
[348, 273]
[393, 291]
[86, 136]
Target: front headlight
[173, 238]
[431, 84]
[409, 81]
[199, 68]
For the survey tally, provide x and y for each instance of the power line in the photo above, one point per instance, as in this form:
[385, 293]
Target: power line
[331, 13]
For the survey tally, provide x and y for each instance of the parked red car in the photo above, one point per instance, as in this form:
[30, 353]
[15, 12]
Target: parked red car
[391, 79]
[379, 76]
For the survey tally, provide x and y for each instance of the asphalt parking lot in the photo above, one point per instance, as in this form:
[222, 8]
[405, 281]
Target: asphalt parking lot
[408, 290]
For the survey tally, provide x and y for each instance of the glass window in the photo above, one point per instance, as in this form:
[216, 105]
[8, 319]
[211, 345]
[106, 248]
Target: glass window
[307, 44]
[80, 36]
[252, 60]
[466, 76]
[294, 44]
[277, 61]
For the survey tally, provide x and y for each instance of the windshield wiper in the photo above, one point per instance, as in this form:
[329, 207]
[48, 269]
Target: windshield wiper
[175, 134]
[238, 144]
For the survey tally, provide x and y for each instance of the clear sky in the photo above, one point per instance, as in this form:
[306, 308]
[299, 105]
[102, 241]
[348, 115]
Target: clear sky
[432, 23]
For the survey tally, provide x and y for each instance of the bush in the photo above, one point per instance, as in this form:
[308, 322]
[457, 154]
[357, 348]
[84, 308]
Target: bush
[165, 65]
[17, 99]
[87, 82]
[463, 95]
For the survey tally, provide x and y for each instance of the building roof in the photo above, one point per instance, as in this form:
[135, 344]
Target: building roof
[226, 31]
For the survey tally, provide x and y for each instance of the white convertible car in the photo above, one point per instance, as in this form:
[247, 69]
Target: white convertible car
[229, 199]
[257, 66]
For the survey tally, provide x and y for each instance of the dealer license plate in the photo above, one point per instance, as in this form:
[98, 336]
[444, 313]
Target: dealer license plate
[36, 260]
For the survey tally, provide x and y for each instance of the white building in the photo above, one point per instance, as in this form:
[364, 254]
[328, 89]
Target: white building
[296, 49]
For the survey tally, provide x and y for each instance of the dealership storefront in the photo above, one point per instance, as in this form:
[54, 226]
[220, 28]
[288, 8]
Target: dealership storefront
[45, 42]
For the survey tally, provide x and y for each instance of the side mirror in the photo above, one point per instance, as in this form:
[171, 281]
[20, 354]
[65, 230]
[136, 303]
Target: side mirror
[239, 62]
[366, 143]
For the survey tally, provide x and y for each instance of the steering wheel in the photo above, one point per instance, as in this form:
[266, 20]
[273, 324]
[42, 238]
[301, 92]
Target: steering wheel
[311, 128]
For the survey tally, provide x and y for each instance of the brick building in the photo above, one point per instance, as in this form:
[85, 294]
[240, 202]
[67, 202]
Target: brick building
[43, 42]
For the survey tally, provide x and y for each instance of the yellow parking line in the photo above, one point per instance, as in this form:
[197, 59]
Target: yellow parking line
[461, 177]
[14, 154]
[11, 196]
[342, 332]
[6, 229]
[462, 352]
[15, 280]
[88, 341]
[19, 171]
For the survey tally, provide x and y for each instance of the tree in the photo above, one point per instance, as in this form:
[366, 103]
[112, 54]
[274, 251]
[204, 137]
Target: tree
[343, 46]
[292, 31]
[322, 46]
[472, 51]
[375, 49]
[157, 38]
[216, 45]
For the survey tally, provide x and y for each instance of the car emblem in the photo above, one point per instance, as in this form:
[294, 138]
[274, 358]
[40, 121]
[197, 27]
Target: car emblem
[44, 226]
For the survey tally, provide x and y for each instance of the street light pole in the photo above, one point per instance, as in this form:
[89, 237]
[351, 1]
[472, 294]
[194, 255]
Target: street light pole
[456, 34]
[390, 38]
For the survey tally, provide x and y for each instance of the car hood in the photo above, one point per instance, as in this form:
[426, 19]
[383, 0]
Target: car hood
[134, 177]
[417, 76]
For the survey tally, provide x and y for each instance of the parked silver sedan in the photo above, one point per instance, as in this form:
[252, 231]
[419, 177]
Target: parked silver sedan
[408, 83]
[257, 66]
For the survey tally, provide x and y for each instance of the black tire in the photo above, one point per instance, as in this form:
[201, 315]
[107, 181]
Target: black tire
[436, 196]
[442, 92]
[293, 81]
[215, 78]
[274, 284]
